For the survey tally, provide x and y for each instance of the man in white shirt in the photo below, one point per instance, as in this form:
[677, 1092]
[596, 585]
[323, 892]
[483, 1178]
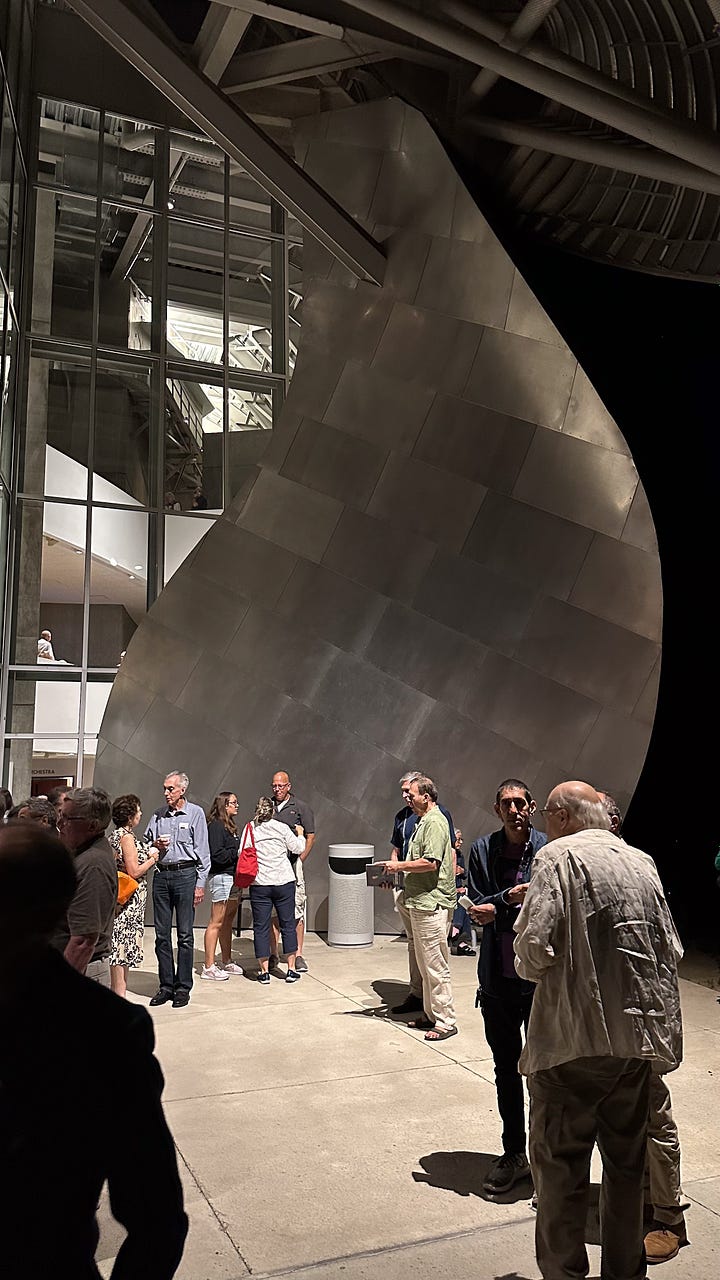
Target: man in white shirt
[596, 935]
[45, 649]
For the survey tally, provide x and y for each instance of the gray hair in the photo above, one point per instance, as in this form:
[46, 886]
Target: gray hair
[613, 809]
[586, 815]
[181, 777]
[91, 803]
[412, 776]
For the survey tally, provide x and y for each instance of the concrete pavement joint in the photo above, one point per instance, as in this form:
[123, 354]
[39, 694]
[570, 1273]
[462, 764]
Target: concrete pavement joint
[211, 1207]
[423, 1242]
[304, 1084]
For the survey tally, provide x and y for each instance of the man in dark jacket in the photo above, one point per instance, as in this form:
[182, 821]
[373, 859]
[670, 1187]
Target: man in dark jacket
[80, 1094]
[498, 873]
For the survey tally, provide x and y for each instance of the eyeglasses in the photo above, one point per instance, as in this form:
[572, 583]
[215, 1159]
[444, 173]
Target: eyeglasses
[68, 817]
[557, 808]
[519, 801]
[280, 786]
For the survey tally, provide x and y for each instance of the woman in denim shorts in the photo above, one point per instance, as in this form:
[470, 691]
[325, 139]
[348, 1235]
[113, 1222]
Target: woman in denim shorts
[223, 839]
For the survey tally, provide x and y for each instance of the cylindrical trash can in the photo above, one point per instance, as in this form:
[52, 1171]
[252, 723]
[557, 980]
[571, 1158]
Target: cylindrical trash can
[351, 901]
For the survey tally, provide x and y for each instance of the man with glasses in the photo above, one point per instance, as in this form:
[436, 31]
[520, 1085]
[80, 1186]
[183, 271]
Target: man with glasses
[178, 830]
[665, 1202]
[596, 935]
[294, 813]
[85, 934]
[499, 869]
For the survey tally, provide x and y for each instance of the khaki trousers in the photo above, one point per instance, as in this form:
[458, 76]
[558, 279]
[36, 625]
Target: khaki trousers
[428, 946]
[663, 1187]
[416, 985]
[573, 1106]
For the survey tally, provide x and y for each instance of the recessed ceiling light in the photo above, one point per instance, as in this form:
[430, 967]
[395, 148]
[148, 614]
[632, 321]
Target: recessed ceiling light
[136, 567]
[113, 562]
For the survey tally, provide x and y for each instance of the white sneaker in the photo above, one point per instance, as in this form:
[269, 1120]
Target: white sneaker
[213, 974]
[232, 967]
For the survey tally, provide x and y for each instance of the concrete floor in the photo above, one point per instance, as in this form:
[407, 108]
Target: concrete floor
[319, 1139]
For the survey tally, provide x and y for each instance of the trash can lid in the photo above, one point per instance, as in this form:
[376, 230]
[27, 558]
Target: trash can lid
[351, 850]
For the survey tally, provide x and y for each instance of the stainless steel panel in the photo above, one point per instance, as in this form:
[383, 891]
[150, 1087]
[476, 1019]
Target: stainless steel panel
[416, 194]
[407, 252]
[579, 481]
[527, 318]
[418, 345]
[521, 377]
[428, 655]
[227, 697]
[471, 759]
[384, 410]
[339, 764]
[639, 527]
[386, 558]
[122, 774]
[188, 602]
[237, 561]
[130, 701]
[597, 658]
[428, 500]
[614, 752]
[160, 659]
[331, 605]
[290, 515]
[170, 736]
[588, 419]
[477, 443]
[377, 707]
[471, 281]
[521, 705]
[277, 650]
[334, 462]
[487, 606]
[622, 584]
[644, 709]
[361, 314]
[352, 173]
[381, 127]
[314, 381]
[530, 546]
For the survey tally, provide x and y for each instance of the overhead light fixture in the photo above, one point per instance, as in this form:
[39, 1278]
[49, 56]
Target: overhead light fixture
[136, 567]
[171, 204]
[113, 562]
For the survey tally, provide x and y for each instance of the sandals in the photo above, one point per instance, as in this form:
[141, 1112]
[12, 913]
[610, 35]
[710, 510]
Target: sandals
[438, 1033]
[421, 1024]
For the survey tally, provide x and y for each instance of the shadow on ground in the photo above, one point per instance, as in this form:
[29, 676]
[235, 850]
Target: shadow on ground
[464, 1172]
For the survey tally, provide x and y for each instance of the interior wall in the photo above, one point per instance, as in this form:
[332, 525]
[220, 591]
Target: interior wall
[445, 560]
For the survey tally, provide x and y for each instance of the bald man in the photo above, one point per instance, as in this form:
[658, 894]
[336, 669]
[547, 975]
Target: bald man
[596, 935]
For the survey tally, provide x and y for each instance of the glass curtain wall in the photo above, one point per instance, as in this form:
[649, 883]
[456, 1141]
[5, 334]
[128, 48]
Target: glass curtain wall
[160, 316]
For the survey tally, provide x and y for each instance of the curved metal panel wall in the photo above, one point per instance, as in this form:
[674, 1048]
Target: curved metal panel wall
[445, 559]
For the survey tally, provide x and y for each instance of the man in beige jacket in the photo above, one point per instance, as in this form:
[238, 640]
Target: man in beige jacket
[596, 935]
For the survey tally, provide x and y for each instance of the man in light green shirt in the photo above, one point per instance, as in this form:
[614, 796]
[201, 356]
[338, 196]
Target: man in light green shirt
[429, 897]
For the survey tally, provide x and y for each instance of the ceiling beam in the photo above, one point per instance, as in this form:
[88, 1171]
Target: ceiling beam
[299, 60]
[668, 132]
[610, 154]
[286, 17]
[233, 131]
[218, 38]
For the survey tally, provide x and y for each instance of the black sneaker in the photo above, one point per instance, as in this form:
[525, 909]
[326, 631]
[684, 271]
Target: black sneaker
[180, 999]
[505, 1172]
[161, 997]
[412, 1004]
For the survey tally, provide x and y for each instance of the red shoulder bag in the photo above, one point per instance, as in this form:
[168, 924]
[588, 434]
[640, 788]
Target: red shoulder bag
[247, 863]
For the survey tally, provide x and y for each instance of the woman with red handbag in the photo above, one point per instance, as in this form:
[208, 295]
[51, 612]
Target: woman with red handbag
[273, 886]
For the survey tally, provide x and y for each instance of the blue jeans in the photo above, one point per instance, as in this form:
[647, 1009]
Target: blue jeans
[263, 897]
[174, 891]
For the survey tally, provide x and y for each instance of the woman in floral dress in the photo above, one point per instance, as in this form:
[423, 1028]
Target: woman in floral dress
[135, 857]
